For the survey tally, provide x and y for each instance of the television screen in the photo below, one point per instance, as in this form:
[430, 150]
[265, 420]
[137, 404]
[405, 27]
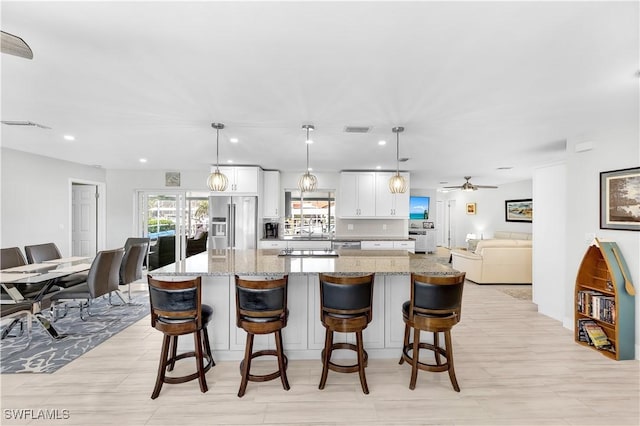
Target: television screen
[418, 208]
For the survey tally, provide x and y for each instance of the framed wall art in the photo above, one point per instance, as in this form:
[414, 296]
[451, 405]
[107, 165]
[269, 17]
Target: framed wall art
[518, 210]
[620, 199]
[172, 179]
[471, 208]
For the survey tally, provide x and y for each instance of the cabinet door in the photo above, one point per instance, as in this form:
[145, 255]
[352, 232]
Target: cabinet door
[401, 201]
[271, 194]
[404, 245]
[366, 194]
[246, 180]
[391, 205]
[272, 244]
[348, 203]
[397, 290]
[376, 245]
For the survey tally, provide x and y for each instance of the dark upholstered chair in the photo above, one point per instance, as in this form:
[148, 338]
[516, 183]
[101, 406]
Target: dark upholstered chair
[435, 306]
[131, 266]
[39, 253]
[102, 279]
[197, 244]
[10, 258]
[176, 310]
[163, 252]
[261, 308]
[345, 307]
[20, 312]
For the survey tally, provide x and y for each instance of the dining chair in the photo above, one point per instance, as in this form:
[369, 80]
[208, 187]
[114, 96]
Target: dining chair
[12, 257]
[131, 266]
[103, 278]
[38, 253]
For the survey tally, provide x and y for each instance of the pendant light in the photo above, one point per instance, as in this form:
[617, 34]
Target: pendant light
[397, 184]
[217, 181]
[308, 182]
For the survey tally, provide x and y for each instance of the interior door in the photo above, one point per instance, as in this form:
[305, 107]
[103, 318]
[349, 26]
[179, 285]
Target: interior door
[84, 220]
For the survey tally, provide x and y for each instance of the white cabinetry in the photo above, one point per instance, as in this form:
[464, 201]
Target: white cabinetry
[357, 194]
[388, 245]
[395, 206]
[272, 244]
[295, 244]
[425, 240]
[271, 194]
[242, 180]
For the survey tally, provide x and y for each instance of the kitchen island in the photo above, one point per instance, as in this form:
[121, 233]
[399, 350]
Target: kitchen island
[304, 335]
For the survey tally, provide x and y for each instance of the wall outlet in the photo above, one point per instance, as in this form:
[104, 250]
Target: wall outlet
[350, 227]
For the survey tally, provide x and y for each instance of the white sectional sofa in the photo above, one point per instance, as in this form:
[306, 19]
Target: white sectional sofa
[497, 261]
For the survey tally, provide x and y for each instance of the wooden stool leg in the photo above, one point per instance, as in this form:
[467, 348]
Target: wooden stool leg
[363, 378]
[449, 350]
[416, 355]
[174, 352]
[406, 341]
[436, 343]
[164, 353]
[198, 343]
[248, 350]
[207, 345]
[328, 344]
[281, 366]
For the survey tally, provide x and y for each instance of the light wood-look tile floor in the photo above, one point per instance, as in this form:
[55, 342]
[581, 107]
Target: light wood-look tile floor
[514, 367]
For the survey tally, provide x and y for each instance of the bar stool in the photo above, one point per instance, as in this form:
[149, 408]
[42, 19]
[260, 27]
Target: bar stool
[176, 310]
[435, 306]
[345, 307]
[261, 308]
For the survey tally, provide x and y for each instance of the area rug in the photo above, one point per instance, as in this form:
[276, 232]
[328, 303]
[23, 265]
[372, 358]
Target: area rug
[519, 292]
[41, 354]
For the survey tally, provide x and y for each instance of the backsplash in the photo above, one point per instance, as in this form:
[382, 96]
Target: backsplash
[371, 228]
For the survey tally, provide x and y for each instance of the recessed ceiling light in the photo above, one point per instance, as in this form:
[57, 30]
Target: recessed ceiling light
[310, 169]
[233, 140]
[229, 161]
[143, 160]
[378, 167]
[69, 138]
[381, 143]
[309, 141]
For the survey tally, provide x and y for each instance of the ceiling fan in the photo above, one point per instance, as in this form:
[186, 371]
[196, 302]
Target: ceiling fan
[468, 186]
[14, 45]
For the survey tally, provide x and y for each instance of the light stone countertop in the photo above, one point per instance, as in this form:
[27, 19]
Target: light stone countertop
[267, 262]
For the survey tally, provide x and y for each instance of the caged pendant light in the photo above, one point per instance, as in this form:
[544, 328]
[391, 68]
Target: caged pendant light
[308, 182]
[397, 183]
[217, 181]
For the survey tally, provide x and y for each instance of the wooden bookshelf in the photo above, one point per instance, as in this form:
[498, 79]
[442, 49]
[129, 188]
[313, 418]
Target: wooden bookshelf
[603, 296]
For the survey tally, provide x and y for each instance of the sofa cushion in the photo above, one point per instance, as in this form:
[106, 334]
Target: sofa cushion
[506, 235]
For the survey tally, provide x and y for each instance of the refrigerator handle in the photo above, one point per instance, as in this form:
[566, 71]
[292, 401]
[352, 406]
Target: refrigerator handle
[233, 225]
[229, 224]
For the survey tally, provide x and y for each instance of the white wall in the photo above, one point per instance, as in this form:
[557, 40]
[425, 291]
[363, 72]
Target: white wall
[489, 215]
[36, 198]
[549, 245]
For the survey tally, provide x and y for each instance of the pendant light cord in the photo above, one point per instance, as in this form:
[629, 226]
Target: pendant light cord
[217, 149]
[397, 153]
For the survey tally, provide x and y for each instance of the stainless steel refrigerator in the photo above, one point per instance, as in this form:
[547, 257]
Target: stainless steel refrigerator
[233, 222]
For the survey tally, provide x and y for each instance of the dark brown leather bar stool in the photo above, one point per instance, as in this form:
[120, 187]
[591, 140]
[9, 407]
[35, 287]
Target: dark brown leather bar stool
[435, 306]
[176, 310]
[345, 307]
[261, 308]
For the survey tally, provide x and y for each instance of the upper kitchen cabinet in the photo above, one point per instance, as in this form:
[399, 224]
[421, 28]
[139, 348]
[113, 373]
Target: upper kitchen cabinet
[271, 194]
[389, 205]
[242, 180]
[357, 195]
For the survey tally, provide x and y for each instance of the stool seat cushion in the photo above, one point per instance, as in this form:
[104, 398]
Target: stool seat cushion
[207, 314]
[262, 319]
[344, 316]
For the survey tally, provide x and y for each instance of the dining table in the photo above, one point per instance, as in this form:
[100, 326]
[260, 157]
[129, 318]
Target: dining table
[17, 280]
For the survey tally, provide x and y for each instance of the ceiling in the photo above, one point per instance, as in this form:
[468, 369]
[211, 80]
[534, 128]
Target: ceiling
[478, 86]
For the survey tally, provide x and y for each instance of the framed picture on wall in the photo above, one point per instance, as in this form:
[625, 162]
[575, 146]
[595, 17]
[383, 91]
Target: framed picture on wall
[172, 179]
[620, 199]
[471, 208]
[518, 210]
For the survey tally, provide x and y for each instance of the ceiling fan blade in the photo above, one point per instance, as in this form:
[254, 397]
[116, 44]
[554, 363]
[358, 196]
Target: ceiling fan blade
[486, 186]
[14, 45]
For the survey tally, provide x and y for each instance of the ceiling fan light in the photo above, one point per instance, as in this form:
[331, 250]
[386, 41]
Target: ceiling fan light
[217, 181]
[397, 184]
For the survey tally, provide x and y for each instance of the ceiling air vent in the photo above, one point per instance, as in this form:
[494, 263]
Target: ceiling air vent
[357, 129]
[25, 123]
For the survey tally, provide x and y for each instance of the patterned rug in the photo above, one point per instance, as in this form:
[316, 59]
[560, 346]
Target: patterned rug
[522, 292]
[41, 354]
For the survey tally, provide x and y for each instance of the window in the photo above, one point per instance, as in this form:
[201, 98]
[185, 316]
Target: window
[313, 213]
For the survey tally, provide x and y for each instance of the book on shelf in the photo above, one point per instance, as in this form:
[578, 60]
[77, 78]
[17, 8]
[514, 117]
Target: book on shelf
[596, 335]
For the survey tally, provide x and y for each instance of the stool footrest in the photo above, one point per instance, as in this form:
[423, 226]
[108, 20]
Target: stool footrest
[189, 377]
[346, 368]
[423, 365]
[264, 377]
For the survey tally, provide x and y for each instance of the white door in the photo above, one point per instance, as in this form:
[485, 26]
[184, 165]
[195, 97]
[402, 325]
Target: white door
[84, 222]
